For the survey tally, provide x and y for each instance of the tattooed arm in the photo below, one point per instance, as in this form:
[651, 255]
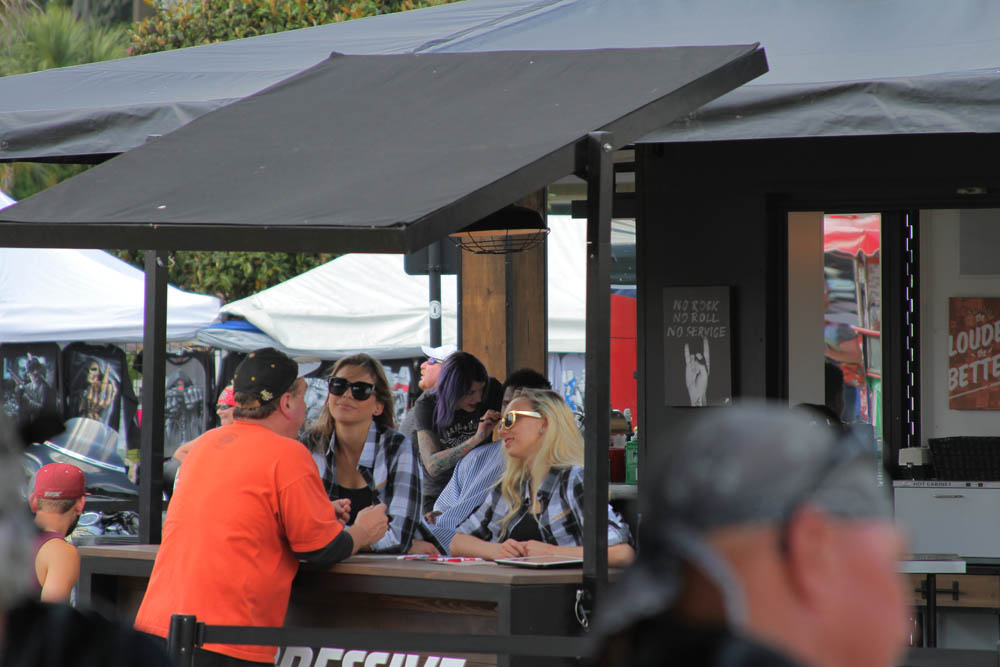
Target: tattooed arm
[437, 460]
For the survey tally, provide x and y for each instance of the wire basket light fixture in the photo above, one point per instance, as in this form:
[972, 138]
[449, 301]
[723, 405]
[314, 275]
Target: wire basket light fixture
[509, 230]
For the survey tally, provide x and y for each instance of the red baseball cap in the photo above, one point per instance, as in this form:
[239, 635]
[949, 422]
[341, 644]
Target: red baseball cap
[227, 397]
[59, 481]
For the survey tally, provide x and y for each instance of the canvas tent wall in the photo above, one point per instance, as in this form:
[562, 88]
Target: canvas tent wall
[63, 295]
[367, 302]
[59, 294]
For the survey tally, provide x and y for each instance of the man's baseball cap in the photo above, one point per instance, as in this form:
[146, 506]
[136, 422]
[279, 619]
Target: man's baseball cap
[59, 481]
[264, 375]
[439, 353]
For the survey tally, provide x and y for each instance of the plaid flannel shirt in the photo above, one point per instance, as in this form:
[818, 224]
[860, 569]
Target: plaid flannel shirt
[561, 516]
[474, 477]
[390, 466]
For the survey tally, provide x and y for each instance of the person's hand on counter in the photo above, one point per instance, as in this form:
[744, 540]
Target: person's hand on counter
[536, 548]
[423, 547]
[511, 549]
[343, 509]
[369, 526]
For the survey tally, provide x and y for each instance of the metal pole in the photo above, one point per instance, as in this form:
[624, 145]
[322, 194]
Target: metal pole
[181, 639]
[154, 354]
[434, 280]
[597, 396]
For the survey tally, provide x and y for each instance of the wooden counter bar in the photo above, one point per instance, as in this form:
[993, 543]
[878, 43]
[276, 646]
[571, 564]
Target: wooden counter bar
[370, 593]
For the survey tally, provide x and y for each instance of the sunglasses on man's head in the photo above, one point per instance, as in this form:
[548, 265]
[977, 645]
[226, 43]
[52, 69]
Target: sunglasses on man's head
[510, 418]
[431, 361]
[360, 391]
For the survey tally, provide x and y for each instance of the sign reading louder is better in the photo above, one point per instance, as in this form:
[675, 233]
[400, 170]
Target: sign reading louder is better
[973, 353]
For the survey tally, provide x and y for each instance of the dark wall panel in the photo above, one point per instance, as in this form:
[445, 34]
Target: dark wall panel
[689, 234]
[714, 213]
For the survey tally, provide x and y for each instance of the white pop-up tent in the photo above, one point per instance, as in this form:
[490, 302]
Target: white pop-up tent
[367, 302]
[62, 295]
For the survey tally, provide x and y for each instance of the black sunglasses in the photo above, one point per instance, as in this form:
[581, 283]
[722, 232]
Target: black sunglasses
[360, 391]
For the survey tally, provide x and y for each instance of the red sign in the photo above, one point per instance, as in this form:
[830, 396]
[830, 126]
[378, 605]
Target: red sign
[973, 353]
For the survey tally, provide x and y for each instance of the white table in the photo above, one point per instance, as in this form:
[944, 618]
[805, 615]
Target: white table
[931, 565]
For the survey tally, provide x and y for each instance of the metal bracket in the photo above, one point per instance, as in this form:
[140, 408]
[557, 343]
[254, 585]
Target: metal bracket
[953, 590]
[583, 607]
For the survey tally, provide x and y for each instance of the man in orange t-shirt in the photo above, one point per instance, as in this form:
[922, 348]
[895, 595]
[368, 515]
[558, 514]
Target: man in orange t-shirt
[247, 506]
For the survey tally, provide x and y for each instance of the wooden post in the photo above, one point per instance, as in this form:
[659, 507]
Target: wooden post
[503, 306]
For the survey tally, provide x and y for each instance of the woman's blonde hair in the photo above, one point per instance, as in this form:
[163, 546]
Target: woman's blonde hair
[324, 425]
[561, 447]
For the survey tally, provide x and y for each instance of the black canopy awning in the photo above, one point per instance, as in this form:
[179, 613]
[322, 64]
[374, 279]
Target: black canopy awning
[836, 68]
[376, 153]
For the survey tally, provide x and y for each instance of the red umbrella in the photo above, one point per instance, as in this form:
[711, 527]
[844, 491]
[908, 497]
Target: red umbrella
[850, 234]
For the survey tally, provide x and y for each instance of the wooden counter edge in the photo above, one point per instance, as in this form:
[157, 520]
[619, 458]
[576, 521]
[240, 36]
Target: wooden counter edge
[487, 572]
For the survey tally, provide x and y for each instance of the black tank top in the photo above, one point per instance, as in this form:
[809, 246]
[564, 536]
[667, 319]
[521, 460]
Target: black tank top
[526, 529]
[360, 499]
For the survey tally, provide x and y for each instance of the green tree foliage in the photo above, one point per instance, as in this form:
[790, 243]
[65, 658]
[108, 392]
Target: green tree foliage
[22, 179]
[34, 38]
[232, 275]
[183, 23]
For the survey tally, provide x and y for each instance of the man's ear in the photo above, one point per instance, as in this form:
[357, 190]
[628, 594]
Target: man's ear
[33, 504]
[285, 402]
[80, 502]
[810, 557]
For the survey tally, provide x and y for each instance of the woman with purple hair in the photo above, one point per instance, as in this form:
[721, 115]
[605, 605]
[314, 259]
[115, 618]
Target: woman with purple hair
[452, 419]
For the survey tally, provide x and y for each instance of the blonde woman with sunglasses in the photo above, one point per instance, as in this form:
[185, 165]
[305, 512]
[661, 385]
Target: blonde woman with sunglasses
[537, 506]
[362, 459]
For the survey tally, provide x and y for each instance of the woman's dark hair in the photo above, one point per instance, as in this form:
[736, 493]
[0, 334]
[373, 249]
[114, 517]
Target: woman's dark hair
[526, 378]
[460, 370]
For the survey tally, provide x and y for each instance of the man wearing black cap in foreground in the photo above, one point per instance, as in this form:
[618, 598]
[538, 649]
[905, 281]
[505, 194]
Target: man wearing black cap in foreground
[248, 504]
[765, 542]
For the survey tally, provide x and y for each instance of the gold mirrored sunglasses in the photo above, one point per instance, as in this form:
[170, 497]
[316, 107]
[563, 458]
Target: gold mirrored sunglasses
[510, 418]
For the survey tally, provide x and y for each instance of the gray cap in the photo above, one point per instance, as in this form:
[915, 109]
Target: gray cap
[752, 464]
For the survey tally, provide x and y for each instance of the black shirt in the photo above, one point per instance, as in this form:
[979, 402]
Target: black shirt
[525, 529]
[360, 499]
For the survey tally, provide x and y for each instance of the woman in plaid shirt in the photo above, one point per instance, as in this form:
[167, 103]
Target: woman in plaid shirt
[362, 459]
[537, 507]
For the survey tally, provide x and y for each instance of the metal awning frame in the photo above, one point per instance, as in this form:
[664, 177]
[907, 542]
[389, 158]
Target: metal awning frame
[570, 159]
[590, 158]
